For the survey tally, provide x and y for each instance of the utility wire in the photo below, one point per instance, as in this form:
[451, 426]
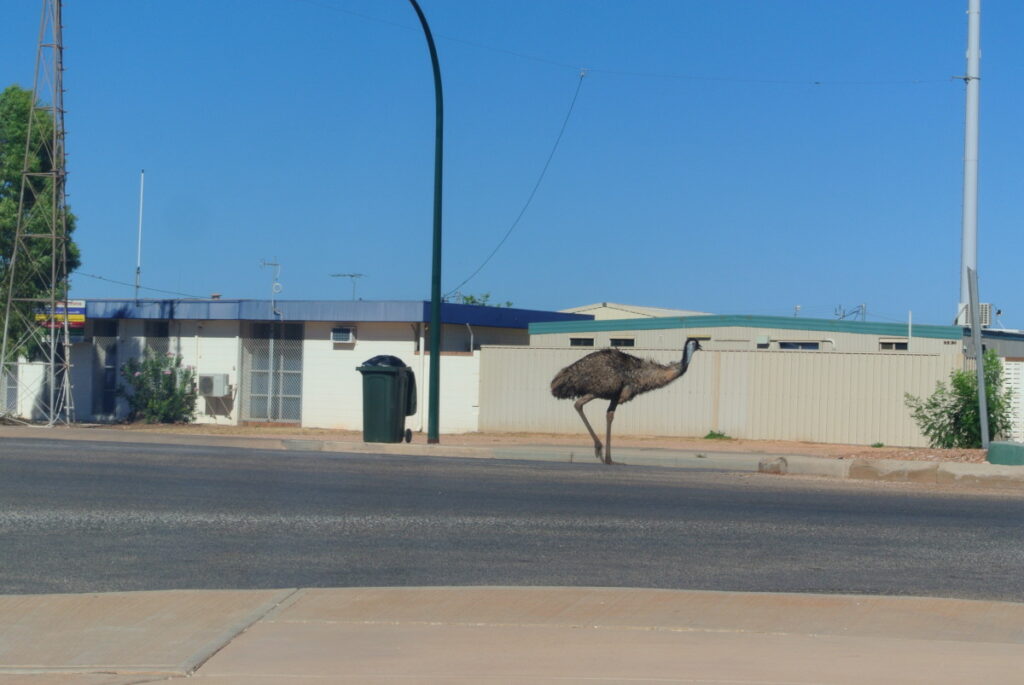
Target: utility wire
[635, 74]
[771, 82]
[551, 155]
[132, 285]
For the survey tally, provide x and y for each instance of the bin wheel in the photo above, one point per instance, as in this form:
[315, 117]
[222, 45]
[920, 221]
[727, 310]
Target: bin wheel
[408, 435]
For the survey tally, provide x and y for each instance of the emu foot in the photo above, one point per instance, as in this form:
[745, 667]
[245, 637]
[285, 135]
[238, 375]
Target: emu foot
[598, 451]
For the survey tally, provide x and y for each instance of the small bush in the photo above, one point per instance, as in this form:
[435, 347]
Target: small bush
[878, 444]
[715, 435]
[158, 389]
[950, 417]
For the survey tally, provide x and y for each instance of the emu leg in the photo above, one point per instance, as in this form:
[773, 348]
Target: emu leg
[610, 416]
[579, 408]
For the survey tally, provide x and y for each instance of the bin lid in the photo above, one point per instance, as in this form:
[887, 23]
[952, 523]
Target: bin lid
[384, 360]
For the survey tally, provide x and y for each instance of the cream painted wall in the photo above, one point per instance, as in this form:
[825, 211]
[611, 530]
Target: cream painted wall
[31, 389]
[210, 347]
[332, 389]
[815, 396]
[332, 395]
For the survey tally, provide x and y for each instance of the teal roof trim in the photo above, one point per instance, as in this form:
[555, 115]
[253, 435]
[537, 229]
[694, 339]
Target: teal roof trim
[721, 321]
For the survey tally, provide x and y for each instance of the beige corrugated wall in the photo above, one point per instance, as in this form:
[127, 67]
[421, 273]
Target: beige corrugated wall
[814, 396]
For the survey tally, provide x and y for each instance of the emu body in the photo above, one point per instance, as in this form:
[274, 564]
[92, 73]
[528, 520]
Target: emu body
[617, 377]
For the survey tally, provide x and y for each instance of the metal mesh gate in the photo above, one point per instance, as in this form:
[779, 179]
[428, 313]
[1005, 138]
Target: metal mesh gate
[272, 373]
[10, 391]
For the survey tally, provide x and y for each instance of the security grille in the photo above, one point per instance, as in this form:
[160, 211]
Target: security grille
[272, 373]
[10, 393]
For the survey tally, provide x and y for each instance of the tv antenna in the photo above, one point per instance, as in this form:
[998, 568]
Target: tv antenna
[351, 276]
[275, 284]
[860, 311]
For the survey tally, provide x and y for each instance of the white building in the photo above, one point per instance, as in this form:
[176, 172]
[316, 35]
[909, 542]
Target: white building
[292, 362]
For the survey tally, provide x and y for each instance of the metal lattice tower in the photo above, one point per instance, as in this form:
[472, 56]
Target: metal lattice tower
[36, 280]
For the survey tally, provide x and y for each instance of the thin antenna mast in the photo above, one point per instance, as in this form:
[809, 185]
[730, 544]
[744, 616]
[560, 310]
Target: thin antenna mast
[138, 252]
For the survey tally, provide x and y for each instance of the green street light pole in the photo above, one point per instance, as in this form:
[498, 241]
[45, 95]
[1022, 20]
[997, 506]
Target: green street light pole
[434, 391]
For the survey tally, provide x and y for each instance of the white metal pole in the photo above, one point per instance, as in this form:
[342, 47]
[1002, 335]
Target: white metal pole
[979, 354]
[969, 233]
[138, 251]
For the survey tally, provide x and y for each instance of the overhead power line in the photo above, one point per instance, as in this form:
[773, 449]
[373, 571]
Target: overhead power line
[133, 285]
[633, 73]
[529, 199]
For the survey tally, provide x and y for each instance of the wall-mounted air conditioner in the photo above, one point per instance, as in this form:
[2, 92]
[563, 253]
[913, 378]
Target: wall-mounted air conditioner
[214, 385]
[343, 334]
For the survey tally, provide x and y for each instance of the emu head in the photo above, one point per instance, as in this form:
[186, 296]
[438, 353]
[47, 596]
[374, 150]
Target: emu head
[691, 346]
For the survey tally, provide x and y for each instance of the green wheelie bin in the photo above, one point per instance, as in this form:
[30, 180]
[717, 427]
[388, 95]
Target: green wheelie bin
[389, 395]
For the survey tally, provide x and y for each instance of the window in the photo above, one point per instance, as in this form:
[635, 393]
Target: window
[892, 345]
[799, 345]
[157, 333]
[104, 328]
[622, 342]
[581, 342]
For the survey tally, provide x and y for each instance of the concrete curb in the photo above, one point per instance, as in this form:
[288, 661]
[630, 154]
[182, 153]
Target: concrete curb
[895, 470]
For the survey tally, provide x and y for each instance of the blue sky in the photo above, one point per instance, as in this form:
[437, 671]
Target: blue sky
[728, 156]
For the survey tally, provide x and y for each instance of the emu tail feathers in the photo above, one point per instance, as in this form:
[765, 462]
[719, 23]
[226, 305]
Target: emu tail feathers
[561, 387]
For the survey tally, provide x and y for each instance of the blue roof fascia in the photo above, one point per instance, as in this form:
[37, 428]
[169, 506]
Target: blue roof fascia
[747, 321]
[258, 310]
[997, 334]
[396, 311]
[159, 309]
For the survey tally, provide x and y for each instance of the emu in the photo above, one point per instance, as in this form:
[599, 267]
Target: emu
[613, 375]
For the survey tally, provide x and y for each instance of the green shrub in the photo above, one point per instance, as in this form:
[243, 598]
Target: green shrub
[715, 435]
[950, 418]
[158, 389]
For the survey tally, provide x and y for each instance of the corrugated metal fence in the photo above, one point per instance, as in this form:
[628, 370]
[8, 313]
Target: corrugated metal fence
[813, 396]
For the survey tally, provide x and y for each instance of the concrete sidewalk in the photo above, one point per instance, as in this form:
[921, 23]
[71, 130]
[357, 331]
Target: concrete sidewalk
[507, 635]
[991, 476]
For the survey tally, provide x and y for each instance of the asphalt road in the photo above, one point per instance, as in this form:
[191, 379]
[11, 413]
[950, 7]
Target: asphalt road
[97, 517]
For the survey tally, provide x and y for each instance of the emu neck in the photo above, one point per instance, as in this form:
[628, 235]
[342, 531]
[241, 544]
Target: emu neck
[684, 363]
[657, 375]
